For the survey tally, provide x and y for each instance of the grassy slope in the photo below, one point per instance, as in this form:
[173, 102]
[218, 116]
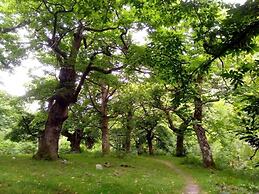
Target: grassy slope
[24, 175]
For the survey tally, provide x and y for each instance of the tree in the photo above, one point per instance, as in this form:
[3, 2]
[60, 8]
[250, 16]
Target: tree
[184, 51]
[73, 38]
[106, 88]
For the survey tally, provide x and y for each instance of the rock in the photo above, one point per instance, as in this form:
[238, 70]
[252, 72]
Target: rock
[64, 161]
[99, 167]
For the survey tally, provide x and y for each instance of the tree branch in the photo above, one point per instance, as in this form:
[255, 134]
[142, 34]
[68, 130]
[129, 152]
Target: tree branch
[100, 30]
[93, 102]
[254, 153]
[83, 77]
[11, 29]
[111, 94]
[106, 71]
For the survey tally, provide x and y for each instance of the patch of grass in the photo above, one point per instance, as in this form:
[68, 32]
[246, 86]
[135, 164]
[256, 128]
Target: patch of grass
[79, 175]
[220, 181]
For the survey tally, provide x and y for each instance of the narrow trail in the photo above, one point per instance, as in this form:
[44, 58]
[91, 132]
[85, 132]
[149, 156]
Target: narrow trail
[191, 187]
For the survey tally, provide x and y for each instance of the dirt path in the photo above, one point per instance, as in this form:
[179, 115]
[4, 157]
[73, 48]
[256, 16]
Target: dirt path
[191, 187]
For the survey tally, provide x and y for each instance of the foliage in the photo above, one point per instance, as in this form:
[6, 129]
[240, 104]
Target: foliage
[28, 127]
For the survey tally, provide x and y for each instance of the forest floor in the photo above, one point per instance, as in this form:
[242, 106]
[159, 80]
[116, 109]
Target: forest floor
[77, 173]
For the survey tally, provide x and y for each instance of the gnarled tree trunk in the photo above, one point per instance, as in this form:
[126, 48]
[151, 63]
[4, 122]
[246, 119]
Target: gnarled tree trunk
[58, 113]
[208, 161]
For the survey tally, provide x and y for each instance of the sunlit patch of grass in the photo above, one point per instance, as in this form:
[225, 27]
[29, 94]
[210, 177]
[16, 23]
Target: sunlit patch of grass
[77, 174]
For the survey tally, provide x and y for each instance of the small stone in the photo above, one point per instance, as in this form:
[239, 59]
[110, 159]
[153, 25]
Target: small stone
[99, 167]
[13, 158]
[64, 161]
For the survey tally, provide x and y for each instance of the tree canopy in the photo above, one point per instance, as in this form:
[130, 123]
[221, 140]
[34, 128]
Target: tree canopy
[193, 82]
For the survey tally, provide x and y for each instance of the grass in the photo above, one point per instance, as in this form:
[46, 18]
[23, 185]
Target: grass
[79, 175]
[136, 175]
[229, 181]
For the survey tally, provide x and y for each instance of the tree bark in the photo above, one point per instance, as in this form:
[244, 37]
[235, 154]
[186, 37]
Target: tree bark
[129, 129]
[58, 113]
[150, 143]
[105, 120]
[206, 152]
[180, 151]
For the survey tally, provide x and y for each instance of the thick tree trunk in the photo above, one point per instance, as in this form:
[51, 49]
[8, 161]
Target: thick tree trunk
[129, 129]
[48, 141]
[208, 161]
[58, 113]
[105, 120]
[180, 151]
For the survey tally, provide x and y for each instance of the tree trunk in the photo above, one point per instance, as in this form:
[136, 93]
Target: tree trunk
[180, 151]
[129, 129]
[179, 134]
[139, 147]
[48, 140]
[150, 143]
[206, 152]
[89, 142]
[105, 120]
[58, 113]
[74, 139]
[105, 135]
